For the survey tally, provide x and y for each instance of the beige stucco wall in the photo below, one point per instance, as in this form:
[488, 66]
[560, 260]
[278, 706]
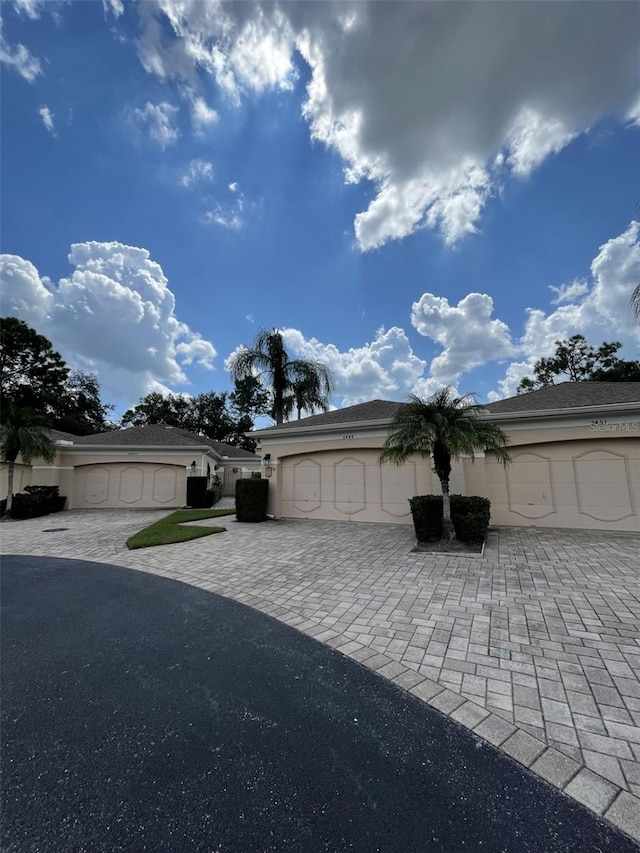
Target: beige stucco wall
[581, 473]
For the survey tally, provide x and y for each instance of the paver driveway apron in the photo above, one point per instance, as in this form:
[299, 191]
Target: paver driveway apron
[535, 646]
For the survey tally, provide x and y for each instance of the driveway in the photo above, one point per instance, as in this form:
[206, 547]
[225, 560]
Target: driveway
[140, 713]
[535, 646]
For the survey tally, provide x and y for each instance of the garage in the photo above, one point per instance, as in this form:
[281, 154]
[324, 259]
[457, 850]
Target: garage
[573, 484]
[575, 451]
[350, 486]
[125, 485]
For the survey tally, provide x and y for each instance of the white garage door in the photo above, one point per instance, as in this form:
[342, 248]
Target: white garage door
[123, 485]
[350, 486]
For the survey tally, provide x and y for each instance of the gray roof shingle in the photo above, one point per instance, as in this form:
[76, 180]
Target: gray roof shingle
[161, 435]
[568, 395]
[375, 410]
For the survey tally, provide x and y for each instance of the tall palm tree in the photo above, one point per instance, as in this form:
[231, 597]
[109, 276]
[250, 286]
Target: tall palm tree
[23, 432]
[443, 427]
[268, 358]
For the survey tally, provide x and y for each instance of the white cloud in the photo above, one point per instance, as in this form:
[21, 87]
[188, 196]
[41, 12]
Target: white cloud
[114, 315]
[159, 120]
[115, 7]
[202, 115]
[227, 216]
[385, 368]
[470, 337]
[600, 309]
[47, 119]
[196, 172]
[29, 8]
[19, 57]
[532, 138]
[435, 103]
[569, 292]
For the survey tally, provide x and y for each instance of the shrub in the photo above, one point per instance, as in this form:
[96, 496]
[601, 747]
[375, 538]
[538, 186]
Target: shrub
[37, 501]
[3, 507]
[251, 499]
[213, 495]
[470, 516]
[427, 517]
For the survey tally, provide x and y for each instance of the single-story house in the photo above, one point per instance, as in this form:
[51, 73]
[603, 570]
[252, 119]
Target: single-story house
[141, 467]
[575, 451]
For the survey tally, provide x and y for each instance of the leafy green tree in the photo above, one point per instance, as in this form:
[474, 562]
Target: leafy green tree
[207, 414]
[249, 398]
[32, 373]
[81, 411]
[443, 428]
[577, 361]
[269, 359]
[34, 376]
[23, 432]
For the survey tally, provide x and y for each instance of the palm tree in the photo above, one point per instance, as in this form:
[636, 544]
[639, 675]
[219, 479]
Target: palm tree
[443, 427]
[306, 395]
[635, 301]
[268, 358]
[23, 432]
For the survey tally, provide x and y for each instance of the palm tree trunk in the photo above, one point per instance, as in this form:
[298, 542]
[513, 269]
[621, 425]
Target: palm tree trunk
[10, 472]
[448, 530]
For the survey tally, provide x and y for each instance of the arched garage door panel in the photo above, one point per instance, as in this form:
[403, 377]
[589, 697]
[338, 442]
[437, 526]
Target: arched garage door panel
[350, 486]
[574, 484]
[123, 485]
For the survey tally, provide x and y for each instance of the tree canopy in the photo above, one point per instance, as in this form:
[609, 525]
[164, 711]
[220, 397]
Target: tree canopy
[211, 413]
[36, 377]
[575, 360]
[443, 427]
[291, 383]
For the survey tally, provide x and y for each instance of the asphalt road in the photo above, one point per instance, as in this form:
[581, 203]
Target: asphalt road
[141, 714]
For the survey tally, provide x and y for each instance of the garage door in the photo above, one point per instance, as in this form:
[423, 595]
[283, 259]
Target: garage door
[353, 486]
[570, 484]
[122, 485]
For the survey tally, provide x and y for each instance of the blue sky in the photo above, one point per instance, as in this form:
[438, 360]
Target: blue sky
[418, 194]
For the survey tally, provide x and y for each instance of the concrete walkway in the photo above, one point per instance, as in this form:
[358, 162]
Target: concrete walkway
[535, 646]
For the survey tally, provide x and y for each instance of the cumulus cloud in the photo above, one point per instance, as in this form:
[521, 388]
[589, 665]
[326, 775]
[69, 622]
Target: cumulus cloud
[196, 172]
[468, 333]
[159, 121]
[386, 367]
[435, 103]
[114, 315]
[598, 308]
[47, 119]
[569, 292]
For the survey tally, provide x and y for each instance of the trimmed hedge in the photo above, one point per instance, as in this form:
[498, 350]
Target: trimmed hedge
[251, 499]
[37, 501]
[470, 516]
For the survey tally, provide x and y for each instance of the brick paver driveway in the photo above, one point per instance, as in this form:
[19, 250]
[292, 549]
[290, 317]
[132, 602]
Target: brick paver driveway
[535, 646]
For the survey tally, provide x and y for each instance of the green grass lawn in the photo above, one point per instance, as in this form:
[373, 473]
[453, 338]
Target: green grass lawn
[169, 530]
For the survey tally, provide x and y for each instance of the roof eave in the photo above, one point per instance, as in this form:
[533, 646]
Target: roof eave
[572, 411]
